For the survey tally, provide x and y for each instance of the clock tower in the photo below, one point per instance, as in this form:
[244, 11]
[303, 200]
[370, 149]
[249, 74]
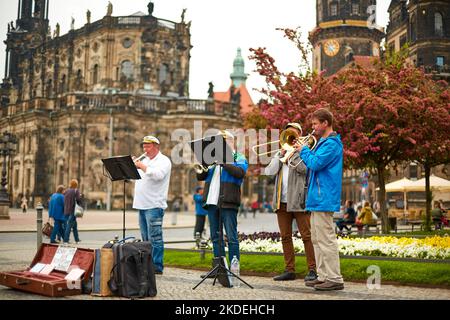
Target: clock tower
[344, 29]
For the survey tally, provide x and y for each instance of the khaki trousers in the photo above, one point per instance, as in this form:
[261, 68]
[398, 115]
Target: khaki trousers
[303, 222]
[326, 248]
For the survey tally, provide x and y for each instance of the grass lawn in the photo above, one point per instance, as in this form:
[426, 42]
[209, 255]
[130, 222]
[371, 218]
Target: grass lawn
[414, 273]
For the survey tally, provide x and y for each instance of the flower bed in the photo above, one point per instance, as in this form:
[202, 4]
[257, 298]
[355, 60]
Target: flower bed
[428, 248]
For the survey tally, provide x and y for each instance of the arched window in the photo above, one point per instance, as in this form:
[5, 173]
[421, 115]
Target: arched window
[163, 73]
[333, 9]
[320, 10]
[438, 24]
[412, 27]
[95, 75]
[49, 89]
[62, 86]
[127, 69]
[79, 80]
[355, 8]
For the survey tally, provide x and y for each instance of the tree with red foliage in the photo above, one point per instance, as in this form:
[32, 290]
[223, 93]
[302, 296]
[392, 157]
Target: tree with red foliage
[375, 108]
[431, 113]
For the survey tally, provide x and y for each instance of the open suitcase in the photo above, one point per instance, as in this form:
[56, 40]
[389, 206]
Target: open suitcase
[53, 284]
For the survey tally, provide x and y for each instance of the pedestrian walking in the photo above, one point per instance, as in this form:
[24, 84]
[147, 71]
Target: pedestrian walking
[200, 212]
[56, 213]
[72, 196]
[24, 204]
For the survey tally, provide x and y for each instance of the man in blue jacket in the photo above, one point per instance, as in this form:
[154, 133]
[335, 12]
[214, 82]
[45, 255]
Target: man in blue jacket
[225, 181]
[56, 212]
[324, 178]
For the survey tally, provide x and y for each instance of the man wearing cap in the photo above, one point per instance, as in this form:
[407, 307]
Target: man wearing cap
[150, 196]
[289, 204]
[224, 183]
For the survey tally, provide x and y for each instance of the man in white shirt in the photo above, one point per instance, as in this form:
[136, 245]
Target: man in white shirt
[150, 196]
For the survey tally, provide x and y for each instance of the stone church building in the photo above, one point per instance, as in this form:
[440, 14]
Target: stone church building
[73, 99]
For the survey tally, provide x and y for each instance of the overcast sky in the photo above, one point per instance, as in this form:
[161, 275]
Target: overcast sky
[219, 27]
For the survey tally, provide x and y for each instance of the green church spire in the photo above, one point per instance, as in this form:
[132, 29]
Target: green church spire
[238, 76]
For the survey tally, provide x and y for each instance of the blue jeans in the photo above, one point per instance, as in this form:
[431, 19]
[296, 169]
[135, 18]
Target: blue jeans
[150, 223]
[71, 224]
[229, 221]
[58, 230]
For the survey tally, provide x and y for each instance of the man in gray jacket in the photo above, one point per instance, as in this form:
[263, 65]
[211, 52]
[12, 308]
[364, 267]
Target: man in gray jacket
[289, 204]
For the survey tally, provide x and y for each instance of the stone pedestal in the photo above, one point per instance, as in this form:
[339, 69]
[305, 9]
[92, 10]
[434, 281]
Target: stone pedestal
[4, 211]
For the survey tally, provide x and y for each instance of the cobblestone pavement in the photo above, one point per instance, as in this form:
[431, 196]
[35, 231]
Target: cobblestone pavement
[177, 284]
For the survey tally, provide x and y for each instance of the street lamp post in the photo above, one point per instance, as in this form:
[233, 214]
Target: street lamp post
[7, 148]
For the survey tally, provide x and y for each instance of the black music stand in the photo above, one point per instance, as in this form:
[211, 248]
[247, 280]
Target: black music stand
[121, 168]
[208, 151]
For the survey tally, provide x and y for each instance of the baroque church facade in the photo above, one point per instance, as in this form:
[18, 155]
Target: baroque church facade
[93, 93]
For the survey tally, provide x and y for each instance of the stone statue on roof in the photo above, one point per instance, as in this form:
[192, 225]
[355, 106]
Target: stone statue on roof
[56, 32]
[237, 97]
[211, 91]
[182, 15]
[150, 7]
[109, 9]
[88, 16]
[72, 24]
[232, 90]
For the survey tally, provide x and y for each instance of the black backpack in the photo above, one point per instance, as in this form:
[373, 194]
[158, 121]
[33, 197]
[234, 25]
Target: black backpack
[133, 273]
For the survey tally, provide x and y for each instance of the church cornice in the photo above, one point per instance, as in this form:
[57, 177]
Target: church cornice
[343, 31]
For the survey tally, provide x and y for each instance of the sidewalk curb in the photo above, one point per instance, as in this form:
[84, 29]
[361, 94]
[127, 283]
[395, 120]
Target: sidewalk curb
[96, 229]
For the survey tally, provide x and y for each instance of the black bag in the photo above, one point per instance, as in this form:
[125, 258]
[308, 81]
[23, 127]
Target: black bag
[133, 273]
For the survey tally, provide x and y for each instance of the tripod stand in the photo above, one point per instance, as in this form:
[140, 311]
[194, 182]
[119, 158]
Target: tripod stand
[220, 268]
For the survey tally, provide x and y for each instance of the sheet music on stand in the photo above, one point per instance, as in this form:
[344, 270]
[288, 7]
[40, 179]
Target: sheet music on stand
[212, 149]
[120, 168]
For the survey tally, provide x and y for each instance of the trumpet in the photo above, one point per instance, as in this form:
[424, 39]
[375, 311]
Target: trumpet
[140, 158]
[201, 168]
[309, 140]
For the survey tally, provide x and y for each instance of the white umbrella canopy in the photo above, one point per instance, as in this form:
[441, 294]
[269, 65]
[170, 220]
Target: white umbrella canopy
[399, 185]
[436, 183]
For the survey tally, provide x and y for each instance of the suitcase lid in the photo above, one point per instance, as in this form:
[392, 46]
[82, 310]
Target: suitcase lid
[83, 258]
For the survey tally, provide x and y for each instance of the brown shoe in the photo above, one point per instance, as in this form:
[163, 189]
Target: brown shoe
[313, 283]
[329, 286]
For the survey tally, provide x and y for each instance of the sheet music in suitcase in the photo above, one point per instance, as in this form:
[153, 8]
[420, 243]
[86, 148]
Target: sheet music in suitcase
[52, 283]
[133, 272]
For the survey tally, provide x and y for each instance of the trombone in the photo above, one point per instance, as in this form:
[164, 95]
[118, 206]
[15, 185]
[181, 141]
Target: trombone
[289, 140]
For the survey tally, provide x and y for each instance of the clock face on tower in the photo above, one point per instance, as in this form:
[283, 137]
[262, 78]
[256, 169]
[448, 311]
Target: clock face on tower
[331, 47]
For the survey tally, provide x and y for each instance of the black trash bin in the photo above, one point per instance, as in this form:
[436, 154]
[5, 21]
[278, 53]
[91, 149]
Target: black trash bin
[393, 223]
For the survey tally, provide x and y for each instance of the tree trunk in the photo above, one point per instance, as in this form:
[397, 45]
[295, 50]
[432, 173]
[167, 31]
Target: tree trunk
[382, 199]
[428, 197]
